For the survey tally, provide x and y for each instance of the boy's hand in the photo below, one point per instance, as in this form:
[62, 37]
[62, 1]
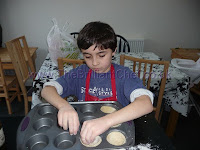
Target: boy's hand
[92, 128]
[68, 118]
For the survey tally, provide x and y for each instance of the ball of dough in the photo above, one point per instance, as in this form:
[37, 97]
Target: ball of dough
[95, 143]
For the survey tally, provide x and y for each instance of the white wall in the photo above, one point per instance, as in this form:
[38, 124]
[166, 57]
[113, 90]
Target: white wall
[164, 24]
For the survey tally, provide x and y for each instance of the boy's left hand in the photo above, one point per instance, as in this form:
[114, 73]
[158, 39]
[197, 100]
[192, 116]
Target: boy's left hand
[92, 128]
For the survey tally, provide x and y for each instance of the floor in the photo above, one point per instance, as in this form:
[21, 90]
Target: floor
[187, 132]
[186, 136]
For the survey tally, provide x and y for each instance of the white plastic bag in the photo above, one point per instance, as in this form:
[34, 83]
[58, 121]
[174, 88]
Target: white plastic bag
[60, 43]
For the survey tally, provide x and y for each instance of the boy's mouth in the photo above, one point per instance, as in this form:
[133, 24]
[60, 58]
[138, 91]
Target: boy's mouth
[96, 69]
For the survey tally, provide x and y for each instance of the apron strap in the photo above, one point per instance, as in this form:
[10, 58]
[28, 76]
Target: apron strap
[113, 85]
[87, 84]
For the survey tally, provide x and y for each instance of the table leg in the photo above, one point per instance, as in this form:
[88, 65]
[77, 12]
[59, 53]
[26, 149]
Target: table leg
[171, 125]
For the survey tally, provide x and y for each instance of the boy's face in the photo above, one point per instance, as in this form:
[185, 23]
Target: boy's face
[98, 60]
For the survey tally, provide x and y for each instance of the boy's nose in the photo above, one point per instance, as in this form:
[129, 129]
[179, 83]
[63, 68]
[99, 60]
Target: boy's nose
[95, 62]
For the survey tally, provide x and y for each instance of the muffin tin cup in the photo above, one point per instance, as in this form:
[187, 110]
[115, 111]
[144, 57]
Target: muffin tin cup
[39, 130]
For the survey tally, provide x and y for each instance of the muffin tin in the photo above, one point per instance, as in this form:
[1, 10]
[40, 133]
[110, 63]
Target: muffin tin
[39, 130]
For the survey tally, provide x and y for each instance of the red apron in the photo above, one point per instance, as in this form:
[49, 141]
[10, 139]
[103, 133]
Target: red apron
[89, 97]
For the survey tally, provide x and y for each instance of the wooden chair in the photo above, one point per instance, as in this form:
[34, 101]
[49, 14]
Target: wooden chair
[63, 61]
[122, 43]
[23, 64]
[9, 88]
[142, 64]
[74, 62]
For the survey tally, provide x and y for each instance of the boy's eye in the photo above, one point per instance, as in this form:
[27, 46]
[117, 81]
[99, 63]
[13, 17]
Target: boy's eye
[87, 56]
[101, 55]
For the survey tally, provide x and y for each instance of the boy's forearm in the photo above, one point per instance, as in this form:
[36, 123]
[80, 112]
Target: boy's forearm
[53, 98]
[141, 106]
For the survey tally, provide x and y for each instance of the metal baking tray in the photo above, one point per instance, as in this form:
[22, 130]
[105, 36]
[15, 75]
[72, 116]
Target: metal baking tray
[39, 129]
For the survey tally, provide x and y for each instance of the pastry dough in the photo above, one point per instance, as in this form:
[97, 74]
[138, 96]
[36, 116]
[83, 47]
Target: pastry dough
[116, 138]
[96, 142]
[117, 125]
[107, 109]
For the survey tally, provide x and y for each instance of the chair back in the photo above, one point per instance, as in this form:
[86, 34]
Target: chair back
[145, 68]
[122, 44]
[23, 64]
[9, 88]
[65, 61]
[19, 53]
[74, 34]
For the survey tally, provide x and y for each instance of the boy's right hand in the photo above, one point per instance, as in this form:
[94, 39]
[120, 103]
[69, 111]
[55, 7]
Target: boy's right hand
[68, 118]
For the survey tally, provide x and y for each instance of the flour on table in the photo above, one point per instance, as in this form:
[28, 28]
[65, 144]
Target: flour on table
[142, 147]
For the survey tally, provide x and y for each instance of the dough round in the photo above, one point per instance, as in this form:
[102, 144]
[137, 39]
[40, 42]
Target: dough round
[107, 109]
[116, 138]
[96, 142]
[117, 125]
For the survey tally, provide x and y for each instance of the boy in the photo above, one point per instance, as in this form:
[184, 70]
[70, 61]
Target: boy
[98, 80]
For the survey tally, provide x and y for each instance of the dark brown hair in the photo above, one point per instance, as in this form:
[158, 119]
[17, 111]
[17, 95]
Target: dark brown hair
[98, 33]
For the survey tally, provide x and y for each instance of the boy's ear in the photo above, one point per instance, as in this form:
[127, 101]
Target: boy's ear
[113, 53]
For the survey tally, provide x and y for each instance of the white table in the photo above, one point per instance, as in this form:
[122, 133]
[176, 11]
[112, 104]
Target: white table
[176, 91]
